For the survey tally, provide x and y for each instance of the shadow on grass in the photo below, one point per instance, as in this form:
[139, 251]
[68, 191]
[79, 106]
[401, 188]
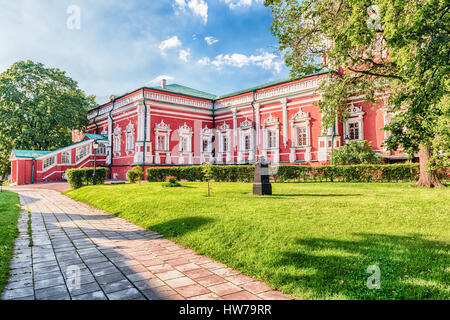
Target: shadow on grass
[411, 267]
[316, 195]
[181, 226]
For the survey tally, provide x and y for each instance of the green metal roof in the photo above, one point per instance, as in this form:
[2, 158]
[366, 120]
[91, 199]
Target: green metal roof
[183, 90]
[96, 136]
[177, 88]
[272, 83]
[29, 153]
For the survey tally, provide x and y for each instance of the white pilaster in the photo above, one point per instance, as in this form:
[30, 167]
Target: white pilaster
[285, 121]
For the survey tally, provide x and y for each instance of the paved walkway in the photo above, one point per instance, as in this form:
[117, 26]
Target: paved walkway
[82, 253]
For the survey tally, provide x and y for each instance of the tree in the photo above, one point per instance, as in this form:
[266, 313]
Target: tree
[39, 108]
[207, 173]
[396, 51]
[356, 152]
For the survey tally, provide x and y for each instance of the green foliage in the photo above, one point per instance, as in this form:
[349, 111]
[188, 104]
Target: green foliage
[403, 47]
[9, 213]
[284, 173]
[85, 176]
[207, 170]
[135, 174]
[171, 182]
[196, 173]
[39, 108]
[356, 152]
[354, 173]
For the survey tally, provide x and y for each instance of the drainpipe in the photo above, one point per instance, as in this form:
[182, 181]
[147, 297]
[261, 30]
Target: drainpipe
[32, 172]
[145, 131]
[112, 137]
[254, 125]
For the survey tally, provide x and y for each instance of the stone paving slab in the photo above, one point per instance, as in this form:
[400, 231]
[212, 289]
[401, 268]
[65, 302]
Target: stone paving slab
[82, 253]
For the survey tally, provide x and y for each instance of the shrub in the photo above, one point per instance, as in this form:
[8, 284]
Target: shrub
[195, 173]
[171, 182]
[135, 174]
[85, 176]
[356, 152]
[284, 173]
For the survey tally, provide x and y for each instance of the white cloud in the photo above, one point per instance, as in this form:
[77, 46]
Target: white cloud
[171, 43]
[204, 61]
[241, 3]
[197, 7]
[184, 55]
[211, 40]
[265, 60]
[157, 80]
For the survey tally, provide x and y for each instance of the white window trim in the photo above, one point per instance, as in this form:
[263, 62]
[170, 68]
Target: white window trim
[206, 134]
[129, 138]
[88, 153]
[271, 124]
[301, 119]
[358, 120]
[117, 140]
[70, 157]
[185, 132]
[52, 165]
[162, 129]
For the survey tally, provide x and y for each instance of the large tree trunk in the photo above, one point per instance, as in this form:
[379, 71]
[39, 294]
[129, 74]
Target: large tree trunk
[427, 178]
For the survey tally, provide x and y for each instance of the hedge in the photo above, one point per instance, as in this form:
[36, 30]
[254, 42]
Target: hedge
[351, 173]
[219, 173]
[85, 176]
[285, 173]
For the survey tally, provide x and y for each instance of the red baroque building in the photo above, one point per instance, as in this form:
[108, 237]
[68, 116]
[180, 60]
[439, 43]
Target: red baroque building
[177, 125]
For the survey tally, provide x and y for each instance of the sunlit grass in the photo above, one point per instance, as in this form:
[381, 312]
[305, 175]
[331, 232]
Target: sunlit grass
[9, 213]
[313, 240]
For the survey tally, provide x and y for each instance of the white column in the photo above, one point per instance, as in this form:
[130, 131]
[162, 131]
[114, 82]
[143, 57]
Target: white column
[257, 123]
[285, 122]
[234, 111]
[361, 131]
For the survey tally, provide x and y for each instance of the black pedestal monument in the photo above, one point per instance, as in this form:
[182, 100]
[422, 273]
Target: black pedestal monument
[261, 185]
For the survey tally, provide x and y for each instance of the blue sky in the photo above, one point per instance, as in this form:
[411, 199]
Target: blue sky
[218, 46]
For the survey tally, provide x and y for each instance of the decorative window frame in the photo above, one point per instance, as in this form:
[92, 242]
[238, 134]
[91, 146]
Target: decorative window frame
[162, 129]
[246, 129]
[185, 135]
[224, 131]
[298, 120]
[271, 124]
[185, 132]
[130, 134]
[206, 134]
[117, 140]
[356, 116]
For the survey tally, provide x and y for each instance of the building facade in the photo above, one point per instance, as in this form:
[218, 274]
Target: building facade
[177, 125]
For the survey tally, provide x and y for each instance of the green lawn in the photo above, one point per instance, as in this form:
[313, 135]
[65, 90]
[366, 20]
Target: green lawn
[9, 213]
[313, 240]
